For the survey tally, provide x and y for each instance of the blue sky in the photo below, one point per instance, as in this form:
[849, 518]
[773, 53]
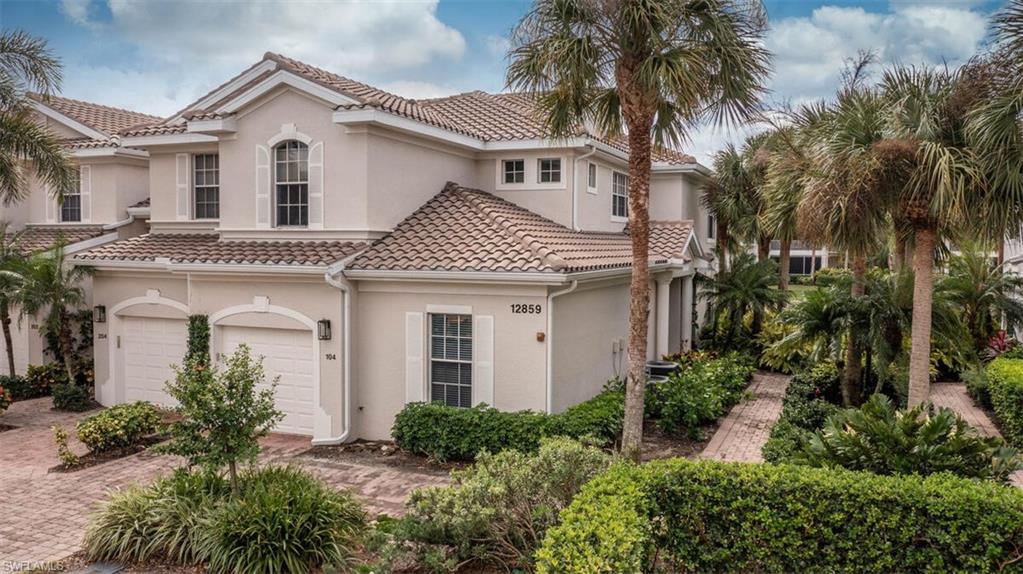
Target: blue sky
[156, 56]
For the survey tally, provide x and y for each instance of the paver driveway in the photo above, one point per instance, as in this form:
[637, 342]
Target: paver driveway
[43, 514]
[748, 425]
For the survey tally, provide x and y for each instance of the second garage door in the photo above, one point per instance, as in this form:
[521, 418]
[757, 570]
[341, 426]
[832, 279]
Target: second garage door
[151, 346]
[288, 354]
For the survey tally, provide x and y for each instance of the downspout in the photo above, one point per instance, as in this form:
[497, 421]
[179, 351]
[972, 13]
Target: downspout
[332, 278]
[575, 186]
[550, 341]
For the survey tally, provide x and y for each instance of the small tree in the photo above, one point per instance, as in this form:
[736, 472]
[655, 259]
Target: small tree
[224, 413]
[198, 340]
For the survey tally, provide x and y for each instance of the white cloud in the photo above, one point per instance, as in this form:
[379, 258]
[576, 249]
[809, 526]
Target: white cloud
[497, 46]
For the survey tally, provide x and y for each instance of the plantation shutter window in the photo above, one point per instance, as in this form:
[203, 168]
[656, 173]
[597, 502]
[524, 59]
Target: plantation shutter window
[451, 359]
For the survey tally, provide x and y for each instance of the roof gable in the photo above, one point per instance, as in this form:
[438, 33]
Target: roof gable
[91, 120]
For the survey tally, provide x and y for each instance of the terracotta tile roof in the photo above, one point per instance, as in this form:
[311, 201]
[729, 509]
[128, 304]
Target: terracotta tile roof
[668, 239]
[463, 229]
[158, 129]
[88, 143]
[41, 238]
[208, 248]
[106, 119]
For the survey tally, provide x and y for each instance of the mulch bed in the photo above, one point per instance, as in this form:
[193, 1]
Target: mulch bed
[383, 453]
[657, 444]
[94, 458]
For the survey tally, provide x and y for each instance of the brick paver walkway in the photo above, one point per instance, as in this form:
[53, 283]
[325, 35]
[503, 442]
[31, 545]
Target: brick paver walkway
[43, 515]
[953, 396]
[746, 428]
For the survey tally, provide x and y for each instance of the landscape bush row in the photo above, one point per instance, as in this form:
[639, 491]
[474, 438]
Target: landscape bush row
[701, 392]
[684, 516]
[52, 379]
[1002, 390]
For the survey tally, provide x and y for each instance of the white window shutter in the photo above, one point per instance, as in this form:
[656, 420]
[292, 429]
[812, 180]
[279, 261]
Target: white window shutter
[316, 186]
[263, 203]
[51, 205]
[483, 360]
[183, 191]
[85, 191]
[415, 382]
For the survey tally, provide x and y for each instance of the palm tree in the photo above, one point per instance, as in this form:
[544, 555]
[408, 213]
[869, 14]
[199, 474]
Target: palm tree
[12, 261]
[782, 192]
[53, 285]
[648, 69]
[746, 287]
[925, 124]
[984, 294]
[27, 65]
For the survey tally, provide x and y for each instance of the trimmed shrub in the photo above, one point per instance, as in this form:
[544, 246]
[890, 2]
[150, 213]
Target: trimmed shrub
[198, 351]
[499, 509]
[809, 400]
[120, 426]
[36, 383]
[700, 393]
[708, 516]
[879, 438]
[448, 433]
[285, 520]
[72, 397]
[1005, 384]
[977, 386]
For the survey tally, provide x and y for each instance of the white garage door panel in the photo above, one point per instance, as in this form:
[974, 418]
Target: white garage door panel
[150, 347]
[288, 354]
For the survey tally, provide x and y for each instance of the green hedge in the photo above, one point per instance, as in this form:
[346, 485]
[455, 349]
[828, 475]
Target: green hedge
[449, 433]
[1005, 387]
[709, 516]
[810, 399]
[120, 426]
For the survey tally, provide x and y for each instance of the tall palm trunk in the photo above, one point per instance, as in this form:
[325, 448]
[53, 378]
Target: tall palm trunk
[1000, 253]
[64, 337]
[639, 291]
[853, 367]
[783, 264]
[5, 323]
[722, 251]
[763, 248]
[920, 340]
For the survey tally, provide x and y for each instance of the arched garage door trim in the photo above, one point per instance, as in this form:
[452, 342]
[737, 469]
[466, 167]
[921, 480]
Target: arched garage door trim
[322, 421]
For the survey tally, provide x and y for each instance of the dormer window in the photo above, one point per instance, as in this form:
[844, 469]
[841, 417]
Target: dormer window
[549, 170]
[514, 170]
[291, 179]
[71, 205]
[206, 192]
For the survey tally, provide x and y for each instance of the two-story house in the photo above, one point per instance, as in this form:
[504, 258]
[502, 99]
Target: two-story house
[378, 250]
[97, 210]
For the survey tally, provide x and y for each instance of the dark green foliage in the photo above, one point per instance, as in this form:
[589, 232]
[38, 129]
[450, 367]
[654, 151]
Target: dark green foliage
[498, 509]
[17, 387]
[1005, 384]
[809, 400]
[120, 426]
[5, 398]
[747, 286]
[829, 276]
[700, 393]
[283, 520]
[198, 340]
[72, 397]
[879, 438]
[708, 516]
[448, 433]
[978, 386]
[39, 380]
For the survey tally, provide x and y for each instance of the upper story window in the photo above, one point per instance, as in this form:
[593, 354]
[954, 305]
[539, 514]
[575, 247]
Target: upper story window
[71, 206]
[291, 179]
[451, 359]
[206, 190]
[591, 175]
[514, 170]
[712, 225]
[549, 170]
[619, 195]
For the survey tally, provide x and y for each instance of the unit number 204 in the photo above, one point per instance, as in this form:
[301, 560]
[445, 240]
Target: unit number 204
[526, 309]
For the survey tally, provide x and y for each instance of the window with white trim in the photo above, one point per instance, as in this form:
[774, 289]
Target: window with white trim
[206, 185]
[451, 359]
[619, 194]
[71, 202]
[712, 226]
[549, 170]
[514, 170]
[291, 179]
[591, 175]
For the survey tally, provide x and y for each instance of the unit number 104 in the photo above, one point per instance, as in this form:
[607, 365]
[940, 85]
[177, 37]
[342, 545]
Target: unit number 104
[526, 309]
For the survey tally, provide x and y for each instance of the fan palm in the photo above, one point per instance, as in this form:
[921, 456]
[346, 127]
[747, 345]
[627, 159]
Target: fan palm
[984, 293]
[649, 69]
[12, 262]
[818, 319]
[27, 65]
[746, 287]
[52, 285]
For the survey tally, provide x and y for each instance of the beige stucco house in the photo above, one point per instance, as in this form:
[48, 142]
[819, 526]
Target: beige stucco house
[378, 250]
[112, 178]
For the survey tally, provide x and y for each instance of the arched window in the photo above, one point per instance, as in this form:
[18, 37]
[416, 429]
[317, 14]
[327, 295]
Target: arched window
[291, 179]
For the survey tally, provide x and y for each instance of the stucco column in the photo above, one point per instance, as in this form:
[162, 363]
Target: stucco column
[687, 312]
[663, 313]
[824, 259]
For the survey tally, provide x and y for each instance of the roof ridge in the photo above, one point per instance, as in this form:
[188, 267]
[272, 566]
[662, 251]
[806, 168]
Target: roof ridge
[534, 244]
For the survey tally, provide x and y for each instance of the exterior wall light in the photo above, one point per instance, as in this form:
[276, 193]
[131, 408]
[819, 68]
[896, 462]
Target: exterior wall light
[99, 314]
[323, 329]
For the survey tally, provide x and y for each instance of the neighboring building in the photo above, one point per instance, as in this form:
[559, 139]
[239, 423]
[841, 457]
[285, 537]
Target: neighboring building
[804, 259]
[111, 178]
[315, 219]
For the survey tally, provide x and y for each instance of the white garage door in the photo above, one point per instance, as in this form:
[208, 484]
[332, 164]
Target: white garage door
[150, 347]
[288, 354]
